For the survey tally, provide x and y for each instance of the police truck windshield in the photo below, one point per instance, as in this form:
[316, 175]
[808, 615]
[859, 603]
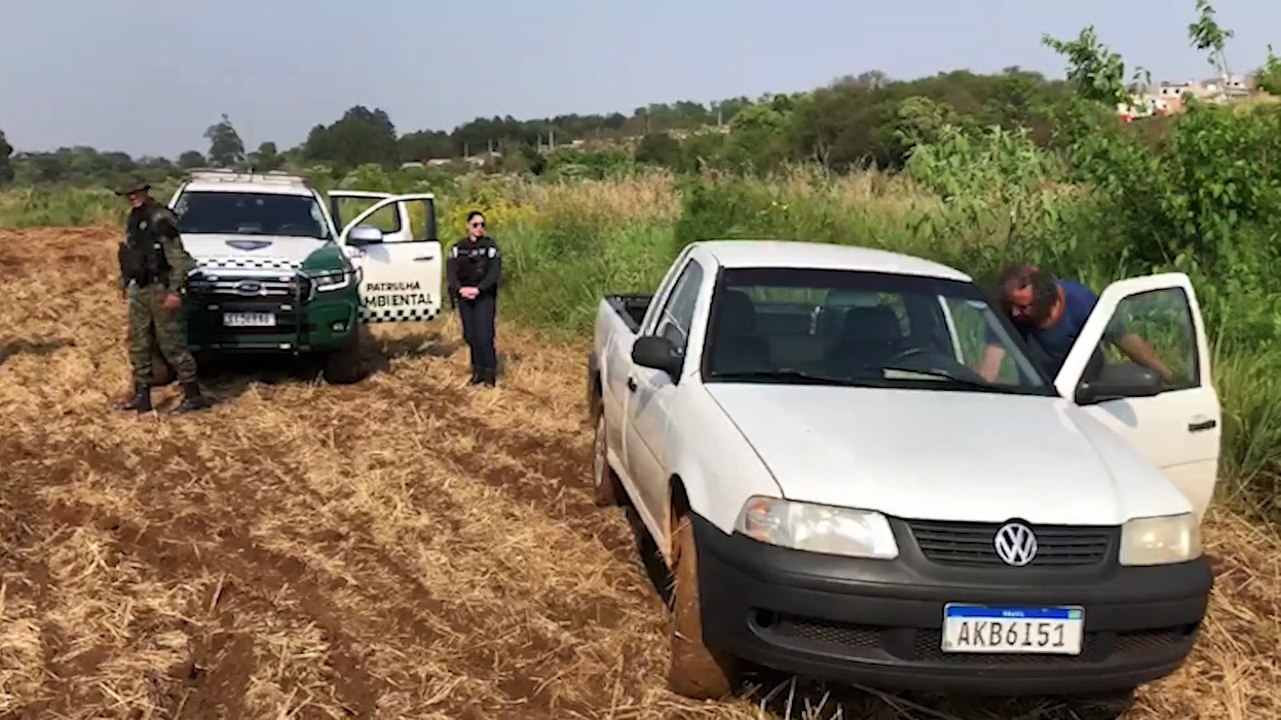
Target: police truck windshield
[251, 214]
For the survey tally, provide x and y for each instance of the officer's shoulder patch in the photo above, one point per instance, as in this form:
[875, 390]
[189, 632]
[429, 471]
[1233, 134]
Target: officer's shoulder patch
[493, 251]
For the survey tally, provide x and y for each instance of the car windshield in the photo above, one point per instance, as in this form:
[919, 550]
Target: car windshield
[842, 327]
[234, 213]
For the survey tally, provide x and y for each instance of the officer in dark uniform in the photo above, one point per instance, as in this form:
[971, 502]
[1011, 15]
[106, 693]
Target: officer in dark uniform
[473, 271]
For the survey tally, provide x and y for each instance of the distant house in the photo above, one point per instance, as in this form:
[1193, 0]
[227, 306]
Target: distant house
[1169, 97]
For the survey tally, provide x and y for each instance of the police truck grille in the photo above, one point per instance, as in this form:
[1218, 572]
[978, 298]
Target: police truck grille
[963, 543]
[247, 289]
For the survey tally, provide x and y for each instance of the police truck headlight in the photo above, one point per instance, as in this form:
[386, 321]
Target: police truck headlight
[817, 528]
[1160, 540]
[334, 280]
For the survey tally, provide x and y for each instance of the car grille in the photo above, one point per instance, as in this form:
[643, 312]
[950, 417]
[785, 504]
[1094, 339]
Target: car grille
[222, 288]
[956, 543]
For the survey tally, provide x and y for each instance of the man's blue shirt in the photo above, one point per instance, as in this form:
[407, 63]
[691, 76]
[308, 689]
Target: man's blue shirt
[1050, 345]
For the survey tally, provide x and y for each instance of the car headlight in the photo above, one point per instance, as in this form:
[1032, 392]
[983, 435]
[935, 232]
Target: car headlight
[335, 280]
[817, 528]
[1160, 540]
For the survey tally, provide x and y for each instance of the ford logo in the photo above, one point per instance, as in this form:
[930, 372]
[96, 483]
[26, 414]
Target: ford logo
[248, 287]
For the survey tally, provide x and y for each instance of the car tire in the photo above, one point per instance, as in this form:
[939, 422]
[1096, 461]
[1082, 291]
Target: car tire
[694, 671]
[345, 365]
[606, 488]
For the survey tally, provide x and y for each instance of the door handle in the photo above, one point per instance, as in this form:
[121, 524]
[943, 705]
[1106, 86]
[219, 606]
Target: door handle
[1202, 425]
[631, 384]
[424, 258]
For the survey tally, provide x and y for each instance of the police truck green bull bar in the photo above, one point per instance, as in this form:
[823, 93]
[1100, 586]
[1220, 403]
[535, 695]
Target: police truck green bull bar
[274, 274]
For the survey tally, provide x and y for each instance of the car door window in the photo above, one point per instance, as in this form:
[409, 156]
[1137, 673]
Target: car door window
[678, 313]
[1156, 322]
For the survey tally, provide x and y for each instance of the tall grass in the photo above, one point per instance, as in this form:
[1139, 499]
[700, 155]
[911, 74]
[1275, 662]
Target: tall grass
[567, 243]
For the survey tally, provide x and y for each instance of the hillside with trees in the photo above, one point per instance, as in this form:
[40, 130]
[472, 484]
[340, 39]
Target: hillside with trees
[855, 121]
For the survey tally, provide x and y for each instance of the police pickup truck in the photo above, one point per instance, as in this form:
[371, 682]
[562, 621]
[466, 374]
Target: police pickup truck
[278, 271]
[838, 493]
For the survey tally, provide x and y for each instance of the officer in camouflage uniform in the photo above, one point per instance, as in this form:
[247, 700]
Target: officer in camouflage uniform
[472, 271]
[153, 275]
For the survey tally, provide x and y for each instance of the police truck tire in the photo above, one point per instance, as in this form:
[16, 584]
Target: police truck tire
[694, 670]
[344, 366]
[605, 485]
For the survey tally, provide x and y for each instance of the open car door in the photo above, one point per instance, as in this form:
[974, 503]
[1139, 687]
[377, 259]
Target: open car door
[400, 273]
[394, 221]
[1174, 422]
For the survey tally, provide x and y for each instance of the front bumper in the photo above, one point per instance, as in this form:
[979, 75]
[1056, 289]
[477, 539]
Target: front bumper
[879, 623]
[301, 321]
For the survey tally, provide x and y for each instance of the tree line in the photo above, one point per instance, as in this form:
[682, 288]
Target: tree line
[854, 122]
[851, 121]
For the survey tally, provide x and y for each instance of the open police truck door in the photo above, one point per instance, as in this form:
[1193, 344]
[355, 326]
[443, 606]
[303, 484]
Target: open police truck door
[400, 268]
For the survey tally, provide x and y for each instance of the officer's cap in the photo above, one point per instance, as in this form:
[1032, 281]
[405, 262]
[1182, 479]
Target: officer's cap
[134, 184]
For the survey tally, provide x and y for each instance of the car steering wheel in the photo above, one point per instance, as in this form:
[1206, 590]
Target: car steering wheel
[905, 354]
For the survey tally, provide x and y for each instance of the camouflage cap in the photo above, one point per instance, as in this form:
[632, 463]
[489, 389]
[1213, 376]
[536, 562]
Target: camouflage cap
[132, 185]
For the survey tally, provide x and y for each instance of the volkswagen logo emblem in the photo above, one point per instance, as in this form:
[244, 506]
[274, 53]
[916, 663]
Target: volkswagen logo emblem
[1015, 544]
[248, 287]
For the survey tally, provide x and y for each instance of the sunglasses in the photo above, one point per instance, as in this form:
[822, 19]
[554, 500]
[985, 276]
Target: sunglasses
[477, 223]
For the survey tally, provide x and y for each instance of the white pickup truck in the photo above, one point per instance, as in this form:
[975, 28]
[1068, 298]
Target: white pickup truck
[838, 492]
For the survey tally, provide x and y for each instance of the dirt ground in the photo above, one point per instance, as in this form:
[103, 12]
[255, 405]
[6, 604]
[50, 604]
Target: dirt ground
[405, 547]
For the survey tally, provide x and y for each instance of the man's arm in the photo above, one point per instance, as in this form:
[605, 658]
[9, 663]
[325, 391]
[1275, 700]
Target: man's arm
[166, 224]
[1135, 347]
[494, 271]
[990, 364]
[1140, 352]
[120, 259]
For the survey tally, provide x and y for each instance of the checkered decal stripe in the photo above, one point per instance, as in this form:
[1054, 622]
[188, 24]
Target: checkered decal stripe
[247, 263]
[413, 314]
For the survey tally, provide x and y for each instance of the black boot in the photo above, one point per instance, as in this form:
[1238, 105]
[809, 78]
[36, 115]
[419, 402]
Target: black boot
[191, 399]
[476, 376]
[489, 377]
[140, 402]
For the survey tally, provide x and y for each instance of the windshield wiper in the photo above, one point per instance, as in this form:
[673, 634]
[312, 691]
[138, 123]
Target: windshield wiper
[979, 384]
[783, 374]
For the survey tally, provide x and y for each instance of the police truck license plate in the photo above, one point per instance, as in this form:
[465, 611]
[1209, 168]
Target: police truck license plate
[980, 629]
[250, 319]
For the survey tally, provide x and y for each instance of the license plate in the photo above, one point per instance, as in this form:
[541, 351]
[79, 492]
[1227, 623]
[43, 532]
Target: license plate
[1004, 629]
[248, 319]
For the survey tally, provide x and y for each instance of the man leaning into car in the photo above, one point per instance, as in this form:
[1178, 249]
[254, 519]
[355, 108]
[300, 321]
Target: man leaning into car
[1049, 314]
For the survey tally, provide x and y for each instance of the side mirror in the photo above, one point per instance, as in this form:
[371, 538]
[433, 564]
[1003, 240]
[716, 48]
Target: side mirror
[1116, 382]
[658, 353]
[364, 235]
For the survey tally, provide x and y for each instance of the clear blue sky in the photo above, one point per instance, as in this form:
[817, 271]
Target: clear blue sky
[148, 78]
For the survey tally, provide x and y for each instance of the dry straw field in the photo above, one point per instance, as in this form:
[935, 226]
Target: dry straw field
[402, 548]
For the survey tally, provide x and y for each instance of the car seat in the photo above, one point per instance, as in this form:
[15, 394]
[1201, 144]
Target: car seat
[735, 348]
[869, 337]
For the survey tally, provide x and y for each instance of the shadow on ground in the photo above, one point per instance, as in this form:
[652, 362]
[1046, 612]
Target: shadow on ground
[228, 375]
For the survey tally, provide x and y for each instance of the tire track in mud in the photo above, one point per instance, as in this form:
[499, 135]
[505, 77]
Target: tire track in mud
[222, 510]
[164, 542]
[560, 485]
[554, 488]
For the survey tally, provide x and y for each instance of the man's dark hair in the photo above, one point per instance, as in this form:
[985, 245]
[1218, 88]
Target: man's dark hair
[1016, 277]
